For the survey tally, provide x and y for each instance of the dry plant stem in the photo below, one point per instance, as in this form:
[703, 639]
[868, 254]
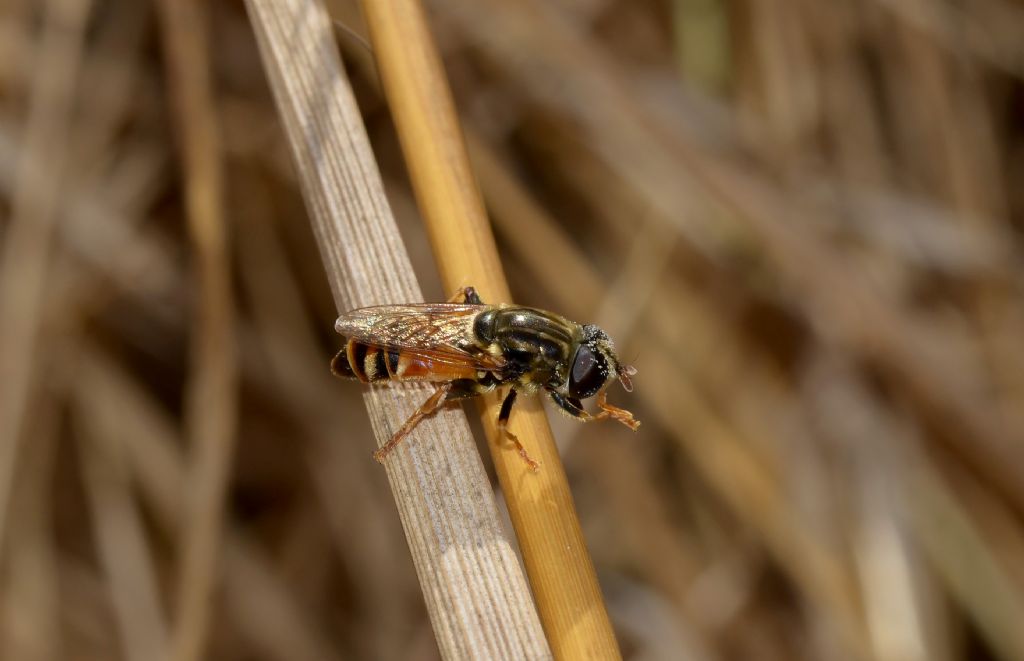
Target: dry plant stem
[476, 594]
[29, 232]
[540, 504]
[349, 493]
[212, 388]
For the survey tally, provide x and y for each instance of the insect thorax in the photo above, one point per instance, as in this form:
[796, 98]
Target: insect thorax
[533, 341]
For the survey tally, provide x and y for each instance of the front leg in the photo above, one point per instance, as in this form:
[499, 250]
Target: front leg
[574, 408]
[615, 413]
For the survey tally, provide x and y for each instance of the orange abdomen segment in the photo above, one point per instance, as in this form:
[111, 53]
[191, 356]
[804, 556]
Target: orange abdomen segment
[415, 367]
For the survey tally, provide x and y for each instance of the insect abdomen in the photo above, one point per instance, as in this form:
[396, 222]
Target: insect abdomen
[370, 363]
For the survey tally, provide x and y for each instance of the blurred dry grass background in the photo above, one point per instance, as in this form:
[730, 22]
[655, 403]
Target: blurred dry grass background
[801, 220]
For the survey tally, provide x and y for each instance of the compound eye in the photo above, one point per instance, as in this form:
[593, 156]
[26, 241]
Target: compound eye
[589, 373]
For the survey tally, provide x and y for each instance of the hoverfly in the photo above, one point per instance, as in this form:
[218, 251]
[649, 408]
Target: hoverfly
[470, 348]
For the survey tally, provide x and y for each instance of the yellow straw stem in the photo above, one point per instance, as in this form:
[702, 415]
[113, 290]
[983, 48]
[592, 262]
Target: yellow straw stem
[559, 567]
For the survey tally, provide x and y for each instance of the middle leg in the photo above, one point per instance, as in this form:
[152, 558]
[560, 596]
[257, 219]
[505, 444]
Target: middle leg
[503, 416]
[466, 295]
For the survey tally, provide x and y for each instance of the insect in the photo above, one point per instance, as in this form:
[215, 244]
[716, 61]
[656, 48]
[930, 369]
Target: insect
[470, 348]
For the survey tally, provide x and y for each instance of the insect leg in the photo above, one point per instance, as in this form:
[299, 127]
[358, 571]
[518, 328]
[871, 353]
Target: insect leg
[467, 295]
[503, 416]
[506, 407]
[615, 413]
[462, 388]
[429, 407]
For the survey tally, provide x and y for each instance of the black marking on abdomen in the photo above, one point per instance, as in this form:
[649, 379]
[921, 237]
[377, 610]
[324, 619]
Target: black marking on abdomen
[365, 362]
[357, 359]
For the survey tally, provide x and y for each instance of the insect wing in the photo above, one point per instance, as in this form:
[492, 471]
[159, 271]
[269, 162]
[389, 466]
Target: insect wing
[439, 332]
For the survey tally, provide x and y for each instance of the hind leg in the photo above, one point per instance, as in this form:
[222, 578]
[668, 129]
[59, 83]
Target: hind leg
[428, 408]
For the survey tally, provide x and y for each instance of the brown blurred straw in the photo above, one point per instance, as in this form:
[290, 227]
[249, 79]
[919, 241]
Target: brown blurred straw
[688, 182]
[293, 361]
[720, 451]
[541, 506]
[476, 595]
[123, 548]
[212, 393]
[928, 504]
[259, 601]
[30, 601]
[35, 205]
